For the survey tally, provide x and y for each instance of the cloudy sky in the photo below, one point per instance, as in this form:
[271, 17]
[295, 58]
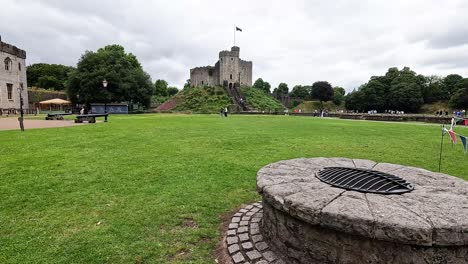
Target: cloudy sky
[297, 42]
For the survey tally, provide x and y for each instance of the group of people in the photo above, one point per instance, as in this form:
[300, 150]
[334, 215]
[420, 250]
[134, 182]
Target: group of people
[393, 112]
[223, 112]
[459, 113]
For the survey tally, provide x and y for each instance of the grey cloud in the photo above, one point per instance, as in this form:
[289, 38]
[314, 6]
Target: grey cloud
[297, 42]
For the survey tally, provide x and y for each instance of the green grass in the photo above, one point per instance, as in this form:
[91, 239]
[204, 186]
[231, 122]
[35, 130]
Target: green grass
[202, 99]
[260, 101]
[119, 192]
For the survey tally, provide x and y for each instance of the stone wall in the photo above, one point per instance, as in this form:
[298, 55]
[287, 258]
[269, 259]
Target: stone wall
[204, 76]
[15, 75]
[245, 68]
[299, 242]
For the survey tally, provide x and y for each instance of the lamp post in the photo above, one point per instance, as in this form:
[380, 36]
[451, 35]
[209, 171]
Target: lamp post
[104, 85]
[20, 119]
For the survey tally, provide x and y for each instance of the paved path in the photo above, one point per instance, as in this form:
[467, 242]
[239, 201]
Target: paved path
[11, 123]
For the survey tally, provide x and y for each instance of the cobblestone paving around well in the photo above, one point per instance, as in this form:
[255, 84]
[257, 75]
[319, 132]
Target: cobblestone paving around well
[244, 242]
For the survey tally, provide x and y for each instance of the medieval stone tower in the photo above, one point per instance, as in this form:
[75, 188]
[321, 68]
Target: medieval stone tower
[229, 71]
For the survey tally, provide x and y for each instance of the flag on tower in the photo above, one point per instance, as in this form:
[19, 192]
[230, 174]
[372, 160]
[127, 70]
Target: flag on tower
[238, 29]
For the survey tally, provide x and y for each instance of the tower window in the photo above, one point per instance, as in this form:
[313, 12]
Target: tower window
[7, 64]
[19, 66]
[202, 82]
[10, 91]
[232, 59]
[230, 76]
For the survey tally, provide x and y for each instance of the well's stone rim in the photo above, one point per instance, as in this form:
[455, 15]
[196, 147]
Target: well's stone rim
[435, 213]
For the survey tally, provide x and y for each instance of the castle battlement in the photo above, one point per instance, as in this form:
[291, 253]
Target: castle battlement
[13, 50]
[234, 52]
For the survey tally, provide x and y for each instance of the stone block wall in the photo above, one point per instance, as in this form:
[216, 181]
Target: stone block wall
[15, 75]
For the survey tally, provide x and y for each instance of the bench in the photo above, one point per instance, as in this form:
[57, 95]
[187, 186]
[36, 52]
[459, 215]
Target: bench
[91, 118]
[58, 116]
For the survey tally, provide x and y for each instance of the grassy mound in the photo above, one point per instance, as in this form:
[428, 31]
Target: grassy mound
[310, 106]
[435, 107]
[258, 100]
[201, 99]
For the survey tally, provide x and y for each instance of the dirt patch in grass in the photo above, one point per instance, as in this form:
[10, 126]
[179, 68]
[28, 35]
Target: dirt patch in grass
[189, 223]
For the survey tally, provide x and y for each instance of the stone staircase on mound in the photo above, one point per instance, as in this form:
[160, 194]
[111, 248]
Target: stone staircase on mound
[168, 105]
[236, 96]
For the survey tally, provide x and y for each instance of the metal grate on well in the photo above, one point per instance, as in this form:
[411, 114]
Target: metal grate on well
[363, 180]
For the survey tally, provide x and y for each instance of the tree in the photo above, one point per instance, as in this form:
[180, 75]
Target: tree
[262, 85]
[338, 95]
[459, 98]
[258, 83]
[432, 89]
[160, 88]
[449, 85]
[405, 97]
[282, 90]
[171, 91]
[125, 77]
[299, 91]
[322, 91]
[266, 87]
[48, 76]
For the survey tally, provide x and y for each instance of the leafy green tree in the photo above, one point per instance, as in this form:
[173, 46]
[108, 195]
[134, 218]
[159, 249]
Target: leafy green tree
[449, 85]
[282, 90]
[171, 91]
[262, 85]
[258, 83]
[459, 98]
[299, 91]
[266, 87]
[125, 77]
[338, 89]
[432, 89]
[160, 88]
[355, 101]
[48, 76]
[338, 95]
[405, 97]
[322, 91]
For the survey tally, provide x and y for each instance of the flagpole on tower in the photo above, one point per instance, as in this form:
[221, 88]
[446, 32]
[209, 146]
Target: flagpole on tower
[235, 29]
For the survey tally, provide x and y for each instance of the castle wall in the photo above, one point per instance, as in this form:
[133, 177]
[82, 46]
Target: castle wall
[204, 76]
[245, 68]
[14, 76]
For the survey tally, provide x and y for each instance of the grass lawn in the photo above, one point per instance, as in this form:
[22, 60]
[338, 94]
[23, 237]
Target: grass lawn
[152, 188]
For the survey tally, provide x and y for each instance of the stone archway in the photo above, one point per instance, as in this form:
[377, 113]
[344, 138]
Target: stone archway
[230, 85]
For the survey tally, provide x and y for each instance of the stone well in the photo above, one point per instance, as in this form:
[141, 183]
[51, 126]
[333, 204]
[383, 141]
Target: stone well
[308, 221]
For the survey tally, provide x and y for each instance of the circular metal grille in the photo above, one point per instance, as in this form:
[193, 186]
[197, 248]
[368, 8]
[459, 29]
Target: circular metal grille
[363, 180]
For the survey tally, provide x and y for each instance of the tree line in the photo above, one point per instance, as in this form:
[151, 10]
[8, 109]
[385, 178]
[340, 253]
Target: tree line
[125, 77]
[402, 90]
[321, 91]
[407, 91]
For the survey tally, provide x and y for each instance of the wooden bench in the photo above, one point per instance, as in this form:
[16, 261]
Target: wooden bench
[58, 116]
[91, 118]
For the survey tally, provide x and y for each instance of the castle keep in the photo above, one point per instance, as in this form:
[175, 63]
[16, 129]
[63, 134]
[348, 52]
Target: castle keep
[229, 71]
[12, 76]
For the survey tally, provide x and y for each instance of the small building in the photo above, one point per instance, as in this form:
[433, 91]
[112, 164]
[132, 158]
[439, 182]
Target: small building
[229, 71]
[12, 78]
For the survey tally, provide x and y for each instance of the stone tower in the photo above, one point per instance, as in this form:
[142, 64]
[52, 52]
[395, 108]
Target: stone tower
[229, 71]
